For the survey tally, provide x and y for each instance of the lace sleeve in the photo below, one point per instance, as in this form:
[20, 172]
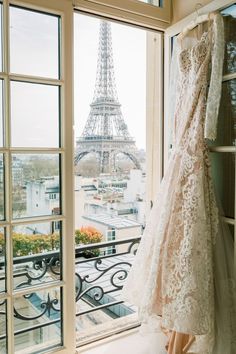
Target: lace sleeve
[174, 74]
[214, 94]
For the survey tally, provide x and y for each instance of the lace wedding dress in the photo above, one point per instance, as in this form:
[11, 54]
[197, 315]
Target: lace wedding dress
[182, 277]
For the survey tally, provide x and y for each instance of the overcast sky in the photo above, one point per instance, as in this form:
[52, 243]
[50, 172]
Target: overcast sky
[34, 51]
[129, 49]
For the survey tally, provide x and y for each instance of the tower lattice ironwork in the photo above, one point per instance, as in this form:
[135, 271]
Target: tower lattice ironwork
[105, 132]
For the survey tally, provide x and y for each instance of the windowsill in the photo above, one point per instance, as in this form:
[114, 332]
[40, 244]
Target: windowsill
[129, 341]
[101, 344]
[107, 331]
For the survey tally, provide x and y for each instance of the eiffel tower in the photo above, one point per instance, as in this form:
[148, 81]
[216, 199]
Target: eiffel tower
[105, 132]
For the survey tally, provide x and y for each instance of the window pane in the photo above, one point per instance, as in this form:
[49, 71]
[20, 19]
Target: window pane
[1, 37]
[226, 132]
[36, 252]
[36, 185]
[34, 43]
[34, 115]
[231, 229]
[152, 2]
[3, 327]
[41, 309]
[223, 167]
[110, 181]
[2, 207]
[1, 114]
[230, 39]
[2, 261]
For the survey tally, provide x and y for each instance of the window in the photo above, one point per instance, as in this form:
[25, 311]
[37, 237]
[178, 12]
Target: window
[32, 144]
[31, 103]
[111, 236]
[153, 14]
[223, 149]
[115, 128]
[152, 2]
[36, 160]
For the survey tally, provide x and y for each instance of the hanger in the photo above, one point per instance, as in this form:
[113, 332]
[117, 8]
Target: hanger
[198, 20]
[197, 9]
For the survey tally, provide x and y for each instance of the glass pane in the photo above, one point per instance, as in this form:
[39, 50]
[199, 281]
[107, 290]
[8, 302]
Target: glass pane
[223, 167]
[226, 132]
[34, 43]
[230, 39]
[36, 252]
[231, 230]
[3, 327]
[152, 2]
[36, 185]
[110, 180]
[34, 115]
[1, 12]
[43, 311]
[2, 206]
[1, 115]
[2, 260]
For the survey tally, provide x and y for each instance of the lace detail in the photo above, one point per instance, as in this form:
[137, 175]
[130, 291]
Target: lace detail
[214, 94]
[173, 273]
[173, 89]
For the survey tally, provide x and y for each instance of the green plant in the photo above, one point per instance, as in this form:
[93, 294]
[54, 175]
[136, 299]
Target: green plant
[2, 243]
[24, 245]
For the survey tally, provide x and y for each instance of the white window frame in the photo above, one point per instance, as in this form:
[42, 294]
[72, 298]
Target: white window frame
[158, 19]
[65, 10]
[170, 32]
[154, 116]
[154, 99]
[131, 11]
[110, 233]
[126, 11]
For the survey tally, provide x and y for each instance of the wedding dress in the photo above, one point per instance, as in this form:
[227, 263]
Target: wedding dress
[182, 277]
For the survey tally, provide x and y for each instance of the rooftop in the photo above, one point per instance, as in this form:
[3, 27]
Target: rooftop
[112, 221]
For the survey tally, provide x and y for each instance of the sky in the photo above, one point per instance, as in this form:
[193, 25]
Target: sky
[129, 53]
[34, 51]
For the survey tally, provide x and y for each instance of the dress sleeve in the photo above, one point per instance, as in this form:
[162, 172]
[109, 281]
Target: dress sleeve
[172, 92]
[214, 93]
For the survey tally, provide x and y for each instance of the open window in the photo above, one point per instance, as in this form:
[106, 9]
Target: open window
[118, 163]
[35, 137]
[38, 284]
[223, 148]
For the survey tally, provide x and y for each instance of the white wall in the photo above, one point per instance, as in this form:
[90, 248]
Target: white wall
[100, 227]
[183, 8]
[79, 208]
[121, 234]
[135, 186]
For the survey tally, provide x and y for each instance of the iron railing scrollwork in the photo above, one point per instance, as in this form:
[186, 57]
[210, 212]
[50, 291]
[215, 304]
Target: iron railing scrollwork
[98, 279]
[46, 306]
[105, 275]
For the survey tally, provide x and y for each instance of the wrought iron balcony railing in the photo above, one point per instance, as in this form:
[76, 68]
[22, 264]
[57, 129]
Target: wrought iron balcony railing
[100, 271]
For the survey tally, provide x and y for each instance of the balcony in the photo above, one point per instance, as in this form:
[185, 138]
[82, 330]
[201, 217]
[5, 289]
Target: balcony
[100, 272]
